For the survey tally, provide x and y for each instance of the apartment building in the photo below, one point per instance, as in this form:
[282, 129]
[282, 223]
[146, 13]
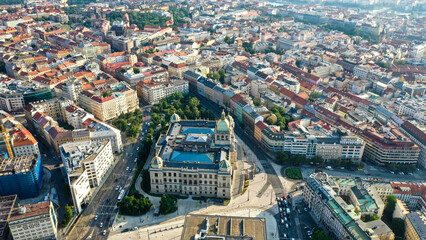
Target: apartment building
[75, 116]
[34, 221]
[53, 107]
[121, 99]
[85, 127]
[177, 70]
[69, 89]
[415, 226]
[22, 142]
[86, 163]
[289, 83]
[145, 73]
[152, 91]
[207, 171]
[116, 57]
[325, 198]
[412, 194]
[314, 140]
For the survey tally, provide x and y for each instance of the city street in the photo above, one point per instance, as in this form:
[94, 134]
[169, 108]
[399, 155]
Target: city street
[104, 205]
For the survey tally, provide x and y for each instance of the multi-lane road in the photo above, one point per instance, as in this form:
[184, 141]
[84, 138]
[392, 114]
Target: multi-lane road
[104, 204]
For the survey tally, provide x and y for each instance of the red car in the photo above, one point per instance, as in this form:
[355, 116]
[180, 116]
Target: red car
[281, 215]
[284, 197]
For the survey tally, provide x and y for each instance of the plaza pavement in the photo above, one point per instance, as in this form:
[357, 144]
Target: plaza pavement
[170, 226]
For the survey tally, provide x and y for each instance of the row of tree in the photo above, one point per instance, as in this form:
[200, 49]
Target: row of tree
[129, 123]
[296, 159]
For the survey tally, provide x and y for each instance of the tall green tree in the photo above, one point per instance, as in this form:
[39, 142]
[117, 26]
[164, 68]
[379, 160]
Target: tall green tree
[319, 234]
[168, 204]
[398, 227]
[228, 40]
[67, 216]
[121, 124]
[389, 207]
[134, 205]
[282, 157]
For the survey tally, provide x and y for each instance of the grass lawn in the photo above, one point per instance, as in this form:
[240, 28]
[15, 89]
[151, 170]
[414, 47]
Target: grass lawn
[66, 26]
[293, 173]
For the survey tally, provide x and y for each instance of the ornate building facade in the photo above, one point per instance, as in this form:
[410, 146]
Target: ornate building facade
[195, 158]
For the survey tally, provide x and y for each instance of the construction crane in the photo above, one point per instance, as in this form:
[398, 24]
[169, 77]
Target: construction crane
[6, 140]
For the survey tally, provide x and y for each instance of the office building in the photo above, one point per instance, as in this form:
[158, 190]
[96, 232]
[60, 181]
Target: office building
[86, 163]
[199, 227]
[339, 203]
[34, 221]
[386, 145]
[14, 95]
[7, 203]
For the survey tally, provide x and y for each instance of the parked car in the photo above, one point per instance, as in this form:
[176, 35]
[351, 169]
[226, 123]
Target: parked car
[96, 218]
[103, 232]
[101, 225]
